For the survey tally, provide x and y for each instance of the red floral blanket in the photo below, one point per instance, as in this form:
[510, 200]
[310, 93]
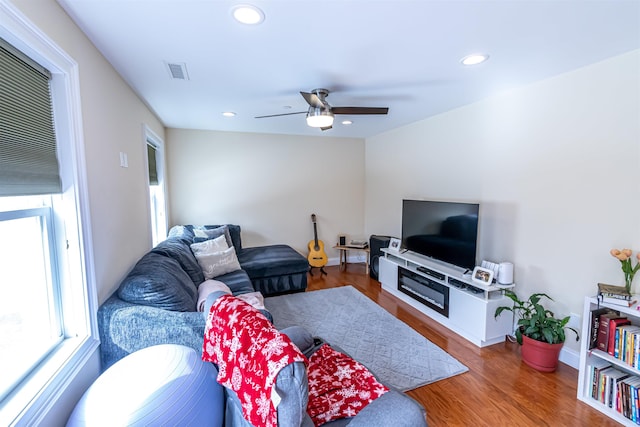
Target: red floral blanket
[339, 386]
[249, 353]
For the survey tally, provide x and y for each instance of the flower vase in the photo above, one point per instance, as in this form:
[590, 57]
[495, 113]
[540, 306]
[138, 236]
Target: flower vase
[628, 280]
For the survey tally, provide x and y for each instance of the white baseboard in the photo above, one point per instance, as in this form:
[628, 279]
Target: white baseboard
[333, 261]
[570, 357]
[351, 259]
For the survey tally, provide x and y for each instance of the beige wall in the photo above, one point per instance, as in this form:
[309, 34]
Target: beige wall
[268, 184]
[555, 166]
[112, 119]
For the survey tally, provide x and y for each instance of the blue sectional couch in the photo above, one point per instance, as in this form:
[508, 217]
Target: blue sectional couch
[156, 302]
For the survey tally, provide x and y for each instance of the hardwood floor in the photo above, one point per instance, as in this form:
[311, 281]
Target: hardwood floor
[498, 389]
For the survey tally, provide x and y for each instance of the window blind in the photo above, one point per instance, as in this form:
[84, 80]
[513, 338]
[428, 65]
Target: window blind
[28, 160]
[153, 169]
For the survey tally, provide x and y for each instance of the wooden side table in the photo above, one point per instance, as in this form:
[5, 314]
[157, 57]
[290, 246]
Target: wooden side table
[344, 252]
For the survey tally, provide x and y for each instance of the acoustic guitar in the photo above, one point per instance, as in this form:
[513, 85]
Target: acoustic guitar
[317, 256]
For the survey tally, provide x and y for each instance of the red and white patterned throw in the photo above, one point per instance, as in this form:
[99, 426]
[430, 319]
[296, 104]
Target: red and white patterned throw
[339, 386]
[249, 353]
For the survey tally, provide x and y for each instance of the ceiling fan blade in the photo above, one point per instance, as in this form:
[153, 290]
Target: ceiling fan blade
[313, 99]
[359, 110]
[283, 114]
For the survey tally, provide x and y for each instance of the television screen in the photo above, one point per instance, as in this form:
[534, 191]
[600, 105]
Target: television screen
[445, 231]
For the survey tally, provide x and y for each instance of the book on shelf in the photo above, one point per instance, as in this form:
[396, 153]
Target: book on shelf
[615, 338]
[610, 387]
[634, 386]
[624, 388]
[611, 384]
[617, 301]
[613, 379]
[625, 404]
[612, 291]
[632, 398]
[628, 395]
[603, 380]
[594, 374]
[602, 342]
[629, 345]
[595, 322]
[624, 339]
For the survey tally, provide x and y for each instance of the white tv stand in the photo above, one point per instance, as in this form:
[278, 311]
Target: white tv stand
[471, 306]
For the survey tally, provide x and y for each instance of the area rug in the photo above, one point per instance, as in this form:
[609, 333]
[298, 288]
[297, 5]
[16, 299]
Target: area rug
[393, 351]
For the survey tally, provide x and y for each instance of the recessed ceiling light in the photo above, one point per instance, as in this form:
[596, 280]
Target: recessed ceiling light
[347, 122]
[229, 114]
[474, 59]
[247, 14]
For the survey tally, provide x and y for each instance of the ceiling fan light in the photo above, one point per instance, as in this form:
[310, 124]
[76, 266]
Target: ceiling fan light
[319, 117]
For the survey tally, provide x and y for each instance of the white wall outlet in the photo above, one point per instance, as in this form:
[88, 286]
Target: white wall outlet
[575, 322]
[124, 160]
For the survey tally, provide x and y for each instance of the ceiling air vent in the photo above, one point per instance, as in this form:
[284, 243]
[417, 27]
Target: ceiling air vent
[178, 70]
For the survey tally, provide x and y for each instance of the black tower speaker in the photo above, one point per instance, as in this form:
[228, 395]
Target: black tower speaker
[375, 244]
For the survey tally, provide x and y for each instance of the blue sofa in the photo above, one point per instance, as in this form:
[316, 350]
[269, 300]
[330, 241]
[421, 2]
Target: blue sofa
[156, 301]
[156, 304]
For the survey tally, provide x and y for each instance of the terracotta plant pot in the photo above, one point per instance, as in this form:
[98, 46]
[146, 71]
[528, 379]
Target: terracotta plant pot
[540, 355]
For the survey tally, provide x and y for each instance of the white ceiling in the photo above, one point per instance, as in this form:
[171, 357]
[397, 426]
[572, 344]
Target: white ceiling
[401, 54]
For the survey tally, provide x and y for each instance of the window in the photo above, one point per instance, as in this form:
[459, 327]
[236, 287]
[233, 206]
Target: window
[47, 293]
[30, 322]
[157, 205]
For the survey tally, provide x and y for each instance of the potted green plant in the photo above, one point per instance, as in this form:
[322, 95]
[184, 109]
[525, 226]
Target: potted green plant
[539, 332]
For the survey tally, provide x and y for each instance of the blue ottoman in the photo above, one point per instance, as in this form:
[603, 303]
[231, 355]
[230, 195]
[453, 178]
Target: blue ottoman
[275, 269]
[165, 384]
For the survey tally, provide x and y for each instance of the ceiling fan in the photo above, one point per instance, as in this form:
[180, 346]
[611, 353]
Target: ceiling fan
[320, 114]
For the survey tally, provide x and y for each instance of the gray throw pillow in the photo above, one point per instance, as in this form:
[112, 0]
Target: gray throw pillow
[159, 281]
[234, 231]
[214, 259]
[203, 234]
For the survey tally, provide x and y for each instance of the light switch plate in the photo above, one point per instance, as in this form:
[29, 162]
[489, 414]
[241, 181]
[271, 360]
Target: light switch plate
[124, 161]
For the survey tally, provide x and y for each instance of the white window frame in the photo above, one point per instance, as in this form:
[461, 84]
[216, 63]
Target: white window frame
[158, 230]
[41, 392]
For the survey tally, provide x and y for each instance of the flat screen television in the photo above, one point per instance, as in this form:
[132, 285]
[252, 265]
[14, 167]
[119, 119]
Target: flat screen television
[445, 231]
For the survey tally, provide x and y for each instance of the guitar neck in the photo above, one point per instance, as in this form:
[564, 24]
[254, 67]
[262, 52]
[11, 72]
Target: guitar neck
[315, 236]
